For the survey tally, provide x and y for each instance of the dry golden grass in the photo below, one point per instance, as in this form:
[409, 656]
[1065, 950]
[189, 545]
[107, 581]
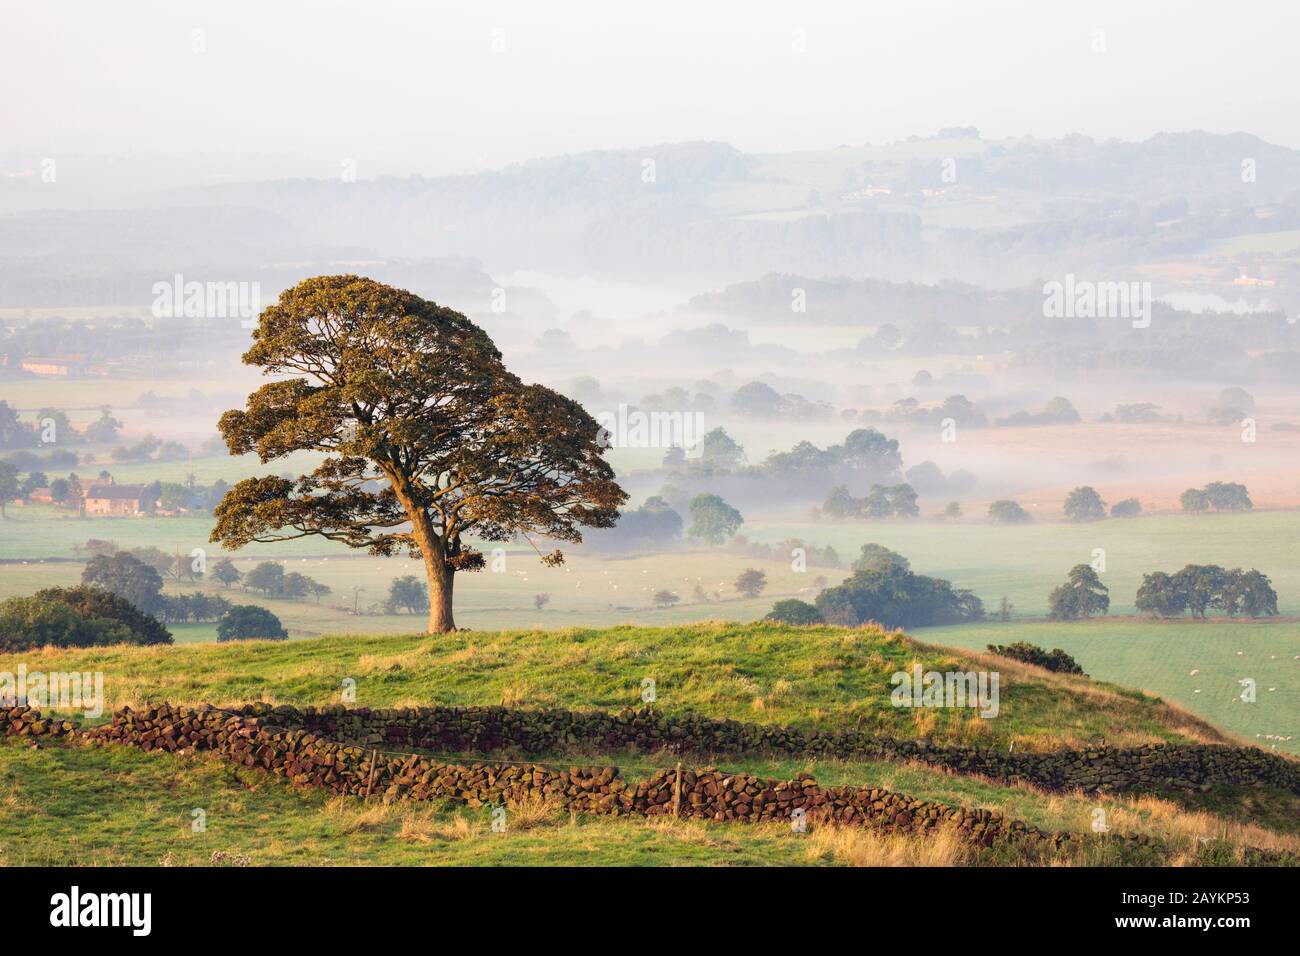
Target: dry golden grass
[856, 846]
[1181, 827]
[1076, 691]
[422, 827]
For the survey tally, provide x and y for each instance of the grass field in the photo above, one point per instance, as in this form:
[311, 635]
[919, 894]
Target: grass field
[1160, 657]
[821, 677]
[1024, 562]
[117, 806]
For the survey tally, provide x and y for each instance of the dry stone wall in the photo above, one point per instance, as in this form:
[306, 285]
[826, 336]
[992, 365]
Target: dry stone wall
[487, 729]
[307, 759]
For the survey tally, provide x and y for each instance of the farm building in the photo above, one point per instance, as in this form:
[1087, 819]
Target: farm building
[116, 500]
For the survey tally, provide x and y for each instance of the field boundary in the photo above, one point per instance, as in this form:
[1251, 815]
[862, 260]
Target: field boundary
[488, 729]
[307, 759]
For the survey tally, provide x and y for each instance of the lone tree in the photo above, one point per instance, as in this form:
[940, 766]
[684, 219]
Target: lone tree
[1084, 504]
[713, 521]
[751, 582]
[427, 437]
[1082, 595]
[245, 622]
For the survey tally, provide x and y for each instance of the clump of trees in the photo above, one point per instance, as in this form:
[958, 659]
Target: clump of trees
[271, 579]
[75, 617]
[196, 607]
[126, 576]
[867, 455]
[1216, 496]
[1128, 508]
[249, 622]
[814, 556]
[407, 593]
[1082, 595]
[1084, 504]
[1199, 588]
[1058, 411]
[653, 525]
[882, 501]
[1055, 660]
[713, 521]
[889, 593]
[794, 611]
[1006, 511]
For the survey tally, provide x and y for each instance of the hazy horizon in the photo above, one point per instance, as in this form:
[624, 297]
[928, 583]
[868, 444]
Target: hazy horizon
[403, 89]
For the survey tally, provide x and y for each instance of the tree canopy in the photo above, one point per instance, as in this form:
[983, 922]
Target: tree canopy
[427, 437]
[1082, 595]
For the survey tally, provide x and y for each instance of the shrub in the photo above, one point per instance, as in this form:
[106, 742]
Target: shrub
[1128, 508]
[1056, 660]
[665, 598]
[1008, 512]
[794, 611]
[133, 625]
[29, 622]
[245, 622]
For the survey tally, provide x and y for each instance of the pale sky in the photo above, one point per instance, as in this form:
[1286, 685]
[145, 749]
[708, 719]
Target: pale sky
[432, 87]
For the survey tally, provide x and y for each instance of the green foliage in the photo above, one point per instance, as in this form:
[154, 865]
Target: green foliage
[750, 582]
[893, 596]
[427, 438]
[1006, 511]
[29, 622]
[267, 577]
[1217, 496]
[893, 501]
[713, 521]
[1057, 660]
[10, 487]
[1159, 596]
[103, 430]
[130, 624]
[719, 451]
[665, 598]
[876, 557]
[126, 576]
[407, 593]
[1201, 587]
[756, 400]
[197, 607]
[1127, 508]
[225, 572]
[250, 622]
[795, 612]
[1083, 595]
[1084, 504]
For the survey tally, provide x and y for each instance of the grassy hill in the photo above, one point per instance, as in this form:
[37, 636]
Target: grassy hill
[820, 677]
[114, 805]
[1193, 664]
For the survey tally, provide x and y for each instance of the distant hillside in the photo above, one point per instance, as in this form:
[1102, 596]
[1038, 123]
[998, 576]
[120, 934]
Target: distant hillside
[998, 213]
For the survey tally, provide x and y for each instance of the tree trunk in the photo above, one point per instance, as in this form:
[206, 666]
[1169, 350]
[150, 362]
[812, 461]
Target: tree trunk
[434, 552]
[440, 588]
